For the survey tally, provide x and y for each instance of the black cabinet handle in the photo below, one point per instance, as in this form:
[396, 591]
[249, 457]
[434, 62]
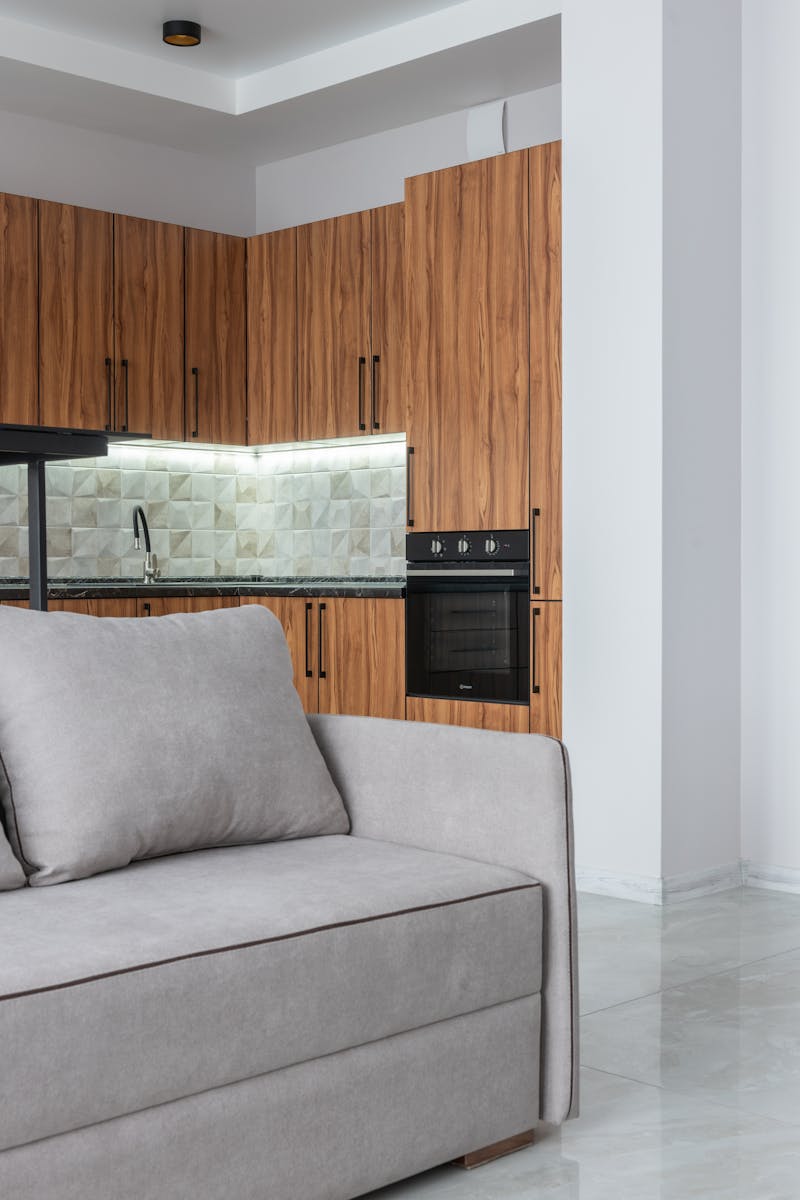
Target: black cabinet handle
[109, 394]
[322, 674]
[535, 689]
[196, 373]
[146, 608]
[309, 672]
[124, 428]
[376, 358]
[409, 509]
[362, 362]
[535, 589]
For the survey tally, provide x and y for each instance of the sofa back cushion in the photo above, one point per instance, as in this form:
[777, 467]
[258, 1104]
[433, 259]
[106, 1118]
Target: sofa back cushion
[11, 873]
[124, 739]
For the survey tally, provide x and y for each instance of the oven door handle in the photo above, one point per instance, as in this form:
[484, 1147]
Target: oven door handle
[465, 574]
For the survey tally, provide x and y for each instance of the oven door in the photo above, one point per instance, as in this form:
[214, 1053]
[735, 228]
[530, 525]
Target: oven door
[467, 640]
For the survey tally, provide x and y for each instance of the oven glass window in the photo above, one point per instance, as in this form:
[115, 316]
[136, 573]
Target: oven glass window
[468, 644]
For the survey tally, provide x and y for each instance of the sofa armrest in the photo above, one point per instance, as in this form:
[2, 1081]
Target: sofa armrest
[501, 798]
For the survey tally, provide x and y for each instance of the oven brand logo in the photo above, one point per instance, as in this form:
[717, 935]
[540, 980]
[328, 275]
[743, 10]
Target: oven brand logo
[465, 687]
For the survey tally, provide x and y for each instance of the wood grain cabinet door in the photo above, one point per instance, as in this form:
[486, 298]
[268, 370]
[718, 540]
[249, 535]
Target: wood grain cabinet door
[333, 326]
[215, 338]
[149, 295]
[361, 656]
[545, 250]
[19, 319]
[299, 618]
[467, 377]
[387, 405]
[272, 338]
[507, 718]
[163, 606]
[545, 643]
[76, 317]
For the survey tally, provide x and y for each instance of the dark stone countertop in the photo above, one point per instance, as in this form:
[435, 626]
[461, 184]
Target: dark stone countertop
[224, 585]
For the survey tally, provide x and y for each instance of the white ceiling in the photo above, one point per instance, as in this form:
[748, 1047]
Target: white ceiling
[271, 80]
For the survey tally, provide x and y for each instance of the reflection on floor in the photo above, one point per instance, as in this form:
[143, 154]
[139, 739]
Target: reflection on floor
[691, 1062]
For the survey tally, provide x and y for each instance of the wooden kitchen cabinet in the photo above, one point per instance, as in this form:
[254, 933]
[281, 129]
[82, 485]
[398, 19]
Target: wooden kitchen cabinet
[163, 606]
[215, 338]
[96, 608]
[272, 338]
[351, 324]
[545, 370]
[507, 718]
[19, 317]
[348, 652]
[467, 372]
[148, 303]
[333, 330]
[361, 656]
[545, 649]
[76, 326]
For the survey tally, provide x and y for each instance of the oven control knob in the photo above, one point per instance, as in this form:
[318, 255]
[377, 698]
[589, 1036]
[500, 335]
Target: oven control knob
[464, 546]
[492, 545]
[437, 546]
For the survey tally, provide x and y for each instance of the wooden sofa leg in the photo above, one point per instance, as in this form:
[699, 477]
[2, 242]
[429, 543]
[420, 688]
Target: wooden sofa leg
[476, 1158]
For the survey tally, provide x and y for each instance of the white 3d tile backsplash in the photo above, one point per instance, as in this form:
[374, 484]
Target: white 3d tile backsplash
[316, 510]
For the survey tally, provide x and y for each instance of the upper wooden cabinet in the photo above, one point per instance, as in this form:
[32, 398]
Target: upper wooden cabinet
[272, 338]
[76, 331]
[545, 270]
[350, 305]
[19, 321]
[467, 373]
[215, 338]
[148, 294]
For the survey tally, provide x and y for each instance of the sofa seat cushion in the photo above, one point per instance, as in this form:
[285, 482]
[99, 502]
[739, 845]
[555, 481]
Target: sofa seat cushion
[180, 974]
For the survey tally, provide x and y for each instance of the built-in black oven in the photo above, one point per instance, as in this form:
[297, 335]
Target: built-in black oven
[467, 615]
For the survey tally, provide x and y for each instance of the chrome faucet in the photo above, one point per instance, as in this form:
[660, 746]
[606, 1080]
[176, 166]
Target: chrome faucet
[151, 571]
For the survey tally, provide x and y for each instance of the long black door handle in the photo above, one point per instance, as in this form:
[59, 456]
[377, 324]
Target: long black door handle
[362, 362]
[124, 427]
[535, 589]
[409, 456]
[196, 430]
[309, 672]
[376, 358]
[109, 394]
[322, 673]
[535, 689]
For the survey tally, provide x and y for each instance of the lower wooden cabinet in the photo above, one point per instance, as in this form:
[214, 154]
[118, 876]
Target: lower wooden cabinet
[97, 608]
[348, 652]
[507, 718]
[545, 642]
[162, 606]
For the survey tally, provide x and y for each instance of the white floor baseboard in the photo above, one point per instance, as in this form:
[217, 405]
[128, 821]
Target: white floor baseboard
[777, 879]
[670, 889]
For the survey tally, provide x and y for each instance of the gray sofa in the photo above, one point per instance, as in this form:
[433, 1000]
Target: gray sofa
[306, 1018]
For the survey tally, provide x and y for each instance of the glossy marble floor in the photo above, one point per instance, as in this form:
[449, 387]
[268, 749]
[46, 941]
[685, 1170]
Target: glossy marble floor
[691, 1062]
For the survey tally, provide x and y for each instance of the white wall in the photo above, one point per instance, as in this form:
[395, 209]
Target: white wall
[98, 170]
[370, 171]
[702, 435]
[771, 433]
[613, 429]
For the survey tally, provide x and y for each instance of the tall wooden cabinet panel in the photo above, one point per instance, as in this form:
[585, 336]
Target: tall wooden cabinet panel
[76, 328]
[19, 319]
[361, 657]
[272, 338]
[387, 405]
[299, 618]
[215, 338]
[467, 375]
[545, 643]
[545, 268]
[149, 295]
[333, 326]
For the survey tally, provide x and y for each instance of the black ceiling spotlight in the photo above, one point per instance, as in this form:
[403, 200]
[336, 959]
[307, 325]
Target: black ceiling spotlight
[182, 33]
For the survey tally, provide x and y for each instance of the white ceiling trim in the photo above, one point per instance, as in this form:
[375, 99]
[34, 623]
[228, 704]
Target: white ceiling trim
[72, 55]
[387, 48]
[427, 35]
